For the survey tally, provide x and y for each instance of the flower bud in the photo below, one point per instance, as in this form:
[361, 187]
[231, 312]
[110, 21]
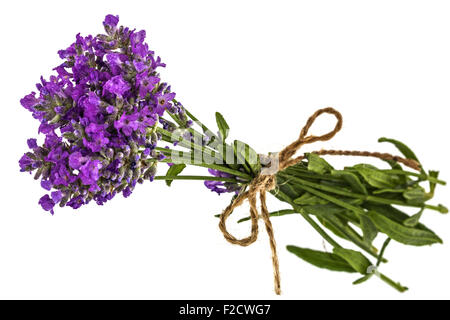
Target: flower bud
[154, 138]
[134, 147]
[38, 173]
[45, 172]
[126, 151]
[109, 153]
[150, 172]
[128, 175]
[121, 174]
[136, 173]
[119, 156]
[55, 119]
[70, 136]
[121, 187]
[64, 200]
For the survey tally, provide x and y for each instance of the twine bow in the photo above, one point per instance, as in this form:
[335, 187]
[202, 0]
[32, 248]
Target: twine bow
[264, 183]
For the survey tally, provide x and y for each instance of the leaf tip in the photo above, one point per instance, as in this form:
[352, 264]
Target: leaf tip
[442, 209]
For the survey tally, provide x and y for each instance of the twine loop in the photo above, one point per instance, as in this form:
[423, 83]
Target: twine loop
[263, 183]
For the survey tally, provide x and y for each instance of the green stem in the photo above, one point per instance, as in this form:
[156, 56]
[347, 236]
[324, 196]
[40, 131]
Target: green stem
[415, 174]
[307, 218]
[330, 240]
[191, 130]
[349, 232]
[170, 152]
[205, 129]
[359, 196]
[175, 118]
[216, 167]
[203, 178]
[383, 249]
[278, 213]
[182, 142]
[392, 283]
[166, 136]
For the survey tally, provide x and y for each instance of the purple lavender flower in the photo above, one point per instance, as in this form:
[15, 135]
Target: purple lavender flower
[146, 84]
[116, 61]
[89, 172]
[25, 163]
[110, 109]
[140, 66]
[127, 124]
[46, 184]
[76, 202]
[116, 85]
[76, 160]
[32, 143]
[95, 113]
[220, 186]
[90, 103]
[111, 21]
[47, 203]
[56, 196]
[127, 192]
[163, 102]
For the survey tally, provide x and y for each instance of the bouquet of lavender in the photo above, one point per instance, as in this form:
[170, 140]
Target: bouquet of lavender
[109, 120]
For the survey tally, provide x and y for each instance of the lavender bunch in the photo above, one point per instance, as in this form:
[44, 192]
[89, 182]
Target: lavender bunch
[99, 114]
[109, 120]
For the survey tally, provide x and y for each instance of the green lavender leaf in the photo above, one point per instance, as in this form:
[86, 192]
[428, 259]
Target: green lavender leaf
[363, 279]
[222, 125]
[394, 164]
[381, 191]
[351, 179]
[239, 151]
[287, 188]
[404, 149]
[332, 215]
[252, 158]
[433, 174]
[383, 250]
[330, 227]
[309, 199]
[375, 177]
[278, 213]
[174, 170]
[414, 219]
[354, 258]
[368, 228]
[245, 152]
[416, 195]
[402, 234]
[393, 214]
[321, 259]
[317, 164]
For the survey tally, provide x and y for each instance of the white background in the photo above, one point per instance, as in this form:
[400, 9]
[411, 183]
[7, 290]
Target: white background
[266, 66]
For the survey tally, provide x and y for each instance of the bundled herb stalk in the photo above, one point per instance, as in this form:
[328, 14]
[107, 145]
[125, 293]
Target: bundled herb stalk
[108, 121]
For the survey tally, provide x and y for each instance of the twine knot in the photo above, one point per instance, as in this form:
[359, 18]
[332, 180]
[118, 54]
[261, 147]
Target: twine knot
[263, 183]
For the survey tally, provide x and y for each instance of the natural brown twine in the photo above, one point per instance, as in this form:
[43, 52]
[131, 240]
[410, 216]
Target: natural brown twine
[263, 183]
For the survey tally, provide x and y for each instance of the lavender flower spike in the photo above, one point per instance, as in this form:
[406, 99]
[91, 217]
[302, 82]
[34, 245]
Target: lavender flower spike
[98, 113]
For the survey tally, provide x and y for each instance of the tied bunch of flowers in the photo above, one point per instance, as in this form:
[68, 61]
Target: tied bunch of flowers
[108, 120]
